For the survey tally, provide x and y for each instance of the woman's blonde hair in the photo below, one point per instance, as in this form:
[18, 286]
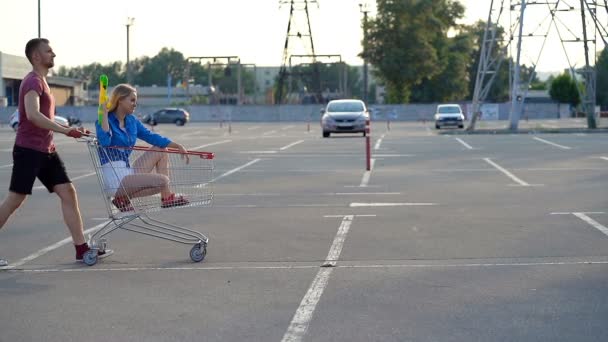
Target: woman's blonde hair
[118, 93]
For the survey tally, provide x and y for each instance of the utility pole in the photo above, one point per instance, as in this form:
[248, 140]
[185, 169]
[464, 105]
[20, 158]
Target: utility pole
[589, 75]
[129, 24]
[39, 35]
[518, 99]
[365, 11]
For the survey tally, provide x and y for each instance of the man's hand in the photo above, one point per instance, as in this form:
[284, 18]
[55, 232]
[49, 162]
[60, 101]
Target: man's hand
[74, 133]
[84, 131]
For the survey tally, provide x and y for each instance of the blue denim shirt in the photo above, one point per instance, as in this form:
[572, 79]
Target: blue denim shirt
[133, 130]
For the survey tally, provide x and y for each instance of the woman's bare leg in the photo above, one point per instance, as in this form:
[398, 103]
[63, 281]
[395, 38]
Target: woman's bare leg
[140, 185]
[152, 160]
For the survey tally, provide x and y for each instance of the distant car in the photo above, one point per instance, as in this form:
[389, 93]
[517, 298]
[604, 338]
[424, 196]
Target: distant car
[344, 116]
[14, 120]
[449, 115]
[176, 116]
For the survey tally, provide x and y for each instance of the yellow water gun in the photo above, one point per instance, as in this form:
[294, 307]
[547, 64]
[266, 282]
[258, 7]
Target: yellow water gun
[103, 96]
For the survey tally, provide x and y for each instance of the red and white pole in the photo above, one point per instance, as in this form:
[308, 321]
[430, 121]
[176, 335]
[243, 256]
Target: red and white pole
[368, 150]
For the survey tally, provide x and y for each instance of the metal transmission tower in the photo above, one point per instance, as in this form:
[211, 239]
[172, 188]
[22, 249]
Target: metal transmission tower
[298, 28]
[552, 16]
[489, 61]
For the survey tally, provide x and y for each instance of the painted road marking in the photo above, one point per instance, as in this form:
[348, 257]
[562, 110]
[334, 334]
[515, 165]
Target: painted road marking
[299, 324]
[367, 174]
[269, 132]
[42, 187]
[552, 143]
[604, 158]
[413, 264]
[464, 143]
[228, 173]
[287, 127]
[52, 247]
[379, 142]
[251, 128]
[507, 173]
[211, 144]
[6, 166]
[291, 145]
[359, 205]
[592, 222]
[258, 152]
[361, 193]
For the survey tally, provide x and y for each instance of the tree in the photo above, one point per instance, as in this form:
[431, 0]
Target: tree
[564, 90]
[452, 83]
[402, 42]
[601, 68]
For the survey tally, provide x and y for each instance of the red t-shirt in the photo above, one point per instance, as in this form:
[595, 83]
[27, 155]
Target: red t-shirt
[28, 134]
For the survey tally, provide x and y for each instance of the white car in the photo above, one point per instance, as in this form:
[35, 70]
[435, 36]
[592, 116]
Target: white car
[344, 116]
[14, 120]
[449, 115]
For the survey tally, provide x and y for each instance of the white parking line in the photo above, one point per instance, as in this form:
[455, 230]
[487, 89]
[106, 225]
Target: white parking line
[42, 187]
[379, 142]
[6, 166]
[211, 144]
[604, 158]
[251, 128]
[226, 174]
[299, 324]
[509, 174]
[591, 261]
[359, 205]
[52, 247]
[592, 222]
[287, 127]
[464, 143]
[367, 174]
[552, 143]
[269, 132]
[291, 145]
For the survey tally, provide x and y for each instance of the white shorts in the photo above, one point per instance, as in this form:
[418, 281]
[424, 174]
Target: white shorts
[113, 172]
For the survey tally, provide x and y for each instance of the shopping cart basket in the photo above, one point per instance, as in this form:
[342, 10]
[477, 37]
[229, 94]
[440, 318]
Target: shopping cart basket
[131, 189]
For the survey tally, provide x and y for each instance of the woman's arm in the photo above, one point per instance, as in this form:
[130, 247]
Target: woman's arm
[103, 130]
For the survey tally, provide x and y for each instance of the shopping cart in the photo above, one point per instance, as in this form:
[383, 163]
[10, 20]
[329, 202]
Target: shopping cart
[131, 189]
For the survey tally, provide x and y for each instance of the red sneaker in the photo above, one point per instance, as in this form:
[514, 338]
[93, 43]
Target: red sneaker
[174, 201]
[122, 203]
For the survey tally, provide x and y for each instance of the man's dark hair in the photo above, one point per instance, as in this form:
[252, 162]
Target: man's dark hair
[32, 45]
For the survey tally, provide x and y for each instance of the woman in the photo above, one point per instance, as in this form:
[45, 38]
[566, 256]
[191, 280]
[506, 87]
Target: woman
[122, 129]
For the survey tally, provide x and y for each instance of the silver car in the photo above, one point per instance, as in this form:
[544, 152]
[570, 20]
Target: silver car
[449, 115]
[344, 116]
[14, 120]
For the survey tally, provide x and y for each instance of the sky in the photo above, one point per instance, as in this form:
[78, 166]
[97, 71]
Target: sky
[84, 31]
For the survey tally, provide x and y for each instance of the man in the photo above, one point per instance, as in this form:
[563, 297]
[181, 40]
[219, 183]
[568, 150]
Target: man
[34, 154]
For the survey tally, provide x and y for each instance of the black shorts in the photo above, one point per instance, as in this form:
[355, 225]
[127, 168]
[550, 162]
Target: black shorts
[29, 164]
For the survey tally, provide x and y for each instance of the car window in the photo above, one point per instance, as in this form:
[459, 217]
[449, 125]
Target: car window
[345, 107]
[448, 110]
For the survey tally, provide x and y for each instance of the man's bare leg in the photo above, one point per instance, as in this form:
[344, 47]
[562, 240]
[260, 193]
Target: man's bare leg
[10, 204]
[71, 211]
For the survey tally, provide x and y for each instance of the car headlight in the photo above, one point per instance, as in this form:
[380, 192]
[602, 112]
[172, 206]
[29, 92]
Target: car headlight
[328, 119]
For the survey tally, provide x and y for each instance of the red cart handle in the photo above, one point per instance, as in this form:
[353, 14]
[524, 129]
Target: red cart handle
[202, 155]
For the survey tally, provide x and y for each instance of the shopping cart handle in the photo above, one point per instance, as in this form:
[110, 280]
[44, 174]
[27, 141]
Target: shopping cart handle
[200, 154]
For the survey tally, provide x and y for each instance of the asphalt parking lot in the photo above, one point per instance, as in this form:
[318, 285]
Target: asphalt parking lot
[447, 238]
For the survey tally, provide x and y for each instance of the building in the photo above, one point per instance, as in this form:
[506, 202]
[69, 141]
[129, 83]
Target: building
[67, 91]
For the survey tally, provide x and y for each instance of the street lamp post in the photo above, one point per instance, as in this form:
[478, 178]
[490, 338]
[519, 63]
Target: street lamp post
[130, 21]
[365, 11]
[39, 35]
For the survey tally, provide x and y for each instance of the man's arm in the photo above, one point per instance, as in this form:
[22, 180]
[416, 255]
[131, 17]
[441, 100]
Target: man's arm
[32, 112]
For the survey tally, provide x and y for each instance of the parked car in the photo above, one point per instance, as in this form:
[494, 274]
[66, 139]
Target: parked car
[177, 116]
[344, 116]
[449, 115]
[14, 120]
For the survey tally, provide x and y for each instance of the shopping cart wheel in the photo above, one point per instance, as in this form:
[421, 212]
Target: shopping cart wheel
[90, 257]
[198, 252]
